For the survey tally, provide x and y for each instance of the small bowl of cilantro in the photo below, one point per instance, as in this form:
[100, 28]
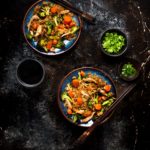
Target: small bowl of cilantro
[113, 42]
[129, 69]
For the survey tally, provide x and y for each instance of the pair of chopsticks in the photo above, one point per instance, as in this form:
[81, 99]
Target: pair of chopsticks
[75, 10]
[87, 133]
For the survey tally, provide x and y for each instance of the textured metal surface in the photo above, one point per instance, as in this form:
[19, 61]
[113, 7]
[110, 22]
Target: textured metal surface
[30, 120]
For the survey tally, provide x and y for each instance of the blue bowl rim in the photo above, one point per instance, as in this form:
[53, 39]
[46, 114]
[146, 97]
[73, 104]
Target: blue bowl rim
[74, 70]
[124, 49]
[44, 53]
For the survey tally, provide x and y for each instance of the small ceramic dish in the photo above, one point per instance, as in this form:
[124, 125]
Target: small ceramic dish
[64, 93]
[35, 41]
[30, 73]
[113, 42]
[129, 69]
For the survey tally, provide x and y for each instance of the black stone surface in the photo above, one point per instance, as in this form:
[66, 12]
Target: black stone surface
[30, 120]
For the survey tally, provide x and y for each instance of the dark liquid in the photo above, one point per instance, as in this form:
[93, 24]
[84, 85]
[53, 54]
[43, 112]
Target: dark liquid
[30, 72]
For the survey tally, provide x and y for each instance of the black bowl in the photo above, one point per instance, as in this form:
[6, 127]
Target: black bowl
[122, 50]
[30, 73]
[135, 64]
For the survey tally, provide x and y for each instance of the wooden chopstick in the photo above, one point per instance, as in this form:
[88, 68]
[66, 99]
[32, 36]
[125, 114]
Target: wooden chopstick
[87, 133]
[75, 10]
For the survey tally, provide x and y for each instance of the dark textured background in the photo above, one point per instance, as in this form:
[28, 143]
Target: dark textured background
[30, 120]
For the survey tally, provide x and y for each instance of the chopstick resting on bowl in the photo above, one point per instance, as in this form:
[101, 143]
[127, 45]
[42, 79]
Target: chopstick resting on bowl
[87, 132]
[75, 10]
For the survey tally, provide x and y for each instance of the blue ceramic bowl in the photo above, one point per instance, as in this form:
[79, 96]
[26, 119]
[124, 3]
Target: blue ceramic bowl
[68, 43]
[68, 78]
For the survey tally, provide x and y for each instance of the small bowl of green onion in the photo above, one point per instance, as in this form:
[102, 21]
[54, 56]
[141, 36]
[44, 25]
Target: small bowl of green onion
[113, 42]
[129, 69]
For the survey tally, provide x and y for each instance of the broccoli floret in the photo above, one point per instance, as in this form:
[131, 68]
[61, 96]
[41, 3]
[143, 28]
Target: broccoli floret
[42, 42]
[42, 14]
[74, 29]
[60, 44]
[29, 36]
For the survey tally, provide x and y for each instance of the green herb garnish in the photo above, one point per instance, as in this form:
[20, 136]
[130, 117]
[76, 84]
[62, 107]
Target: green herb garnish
[113, 42]
[128, 70]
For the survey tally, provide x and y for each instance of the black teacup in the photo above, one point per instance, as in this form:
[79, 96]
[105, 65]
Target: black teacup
[30, 73]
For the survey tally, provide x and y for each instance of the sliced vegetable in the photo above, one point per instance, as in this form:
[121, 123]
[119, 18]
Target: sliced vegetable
[72, 23]
[54, 9]
[107, 88]
[49, 30]
[82, 73]
[113, 42]
[60, 44]
[98, 106]
[54, 42]
[56, 20]
[128, 70]
[49, 45]
[69, 111]
[29, 36]
[90, 104]
[79, 76]
[70, 93]
[75, 83]
[74, 29]
[65, 96]
[67, 19]
[42, 14]
[96, 99]
[79, 101]
[74, 118]
[87, 113]
[42, 42]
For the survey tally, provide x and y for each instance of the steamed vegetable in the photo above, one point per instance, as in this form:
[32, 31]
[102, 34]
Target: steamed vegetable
[128, 70]
[113, 42]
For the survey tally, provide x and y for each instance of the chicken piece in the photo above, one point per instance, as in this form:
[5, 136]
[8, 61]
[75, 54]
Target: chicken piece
[68, 104]
[39, 31]
[87, 113]
[64, 12]
[102, 92]
[87, 118]
[78, 111]
[86, 95]
[34, 17]
[89, 80]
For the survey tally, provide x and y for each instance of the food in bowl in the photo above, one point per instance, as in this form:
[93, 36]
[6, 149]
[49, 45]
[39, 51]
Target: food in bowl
[87, 96]
[128, 70]
[113, 42]
[50, 25]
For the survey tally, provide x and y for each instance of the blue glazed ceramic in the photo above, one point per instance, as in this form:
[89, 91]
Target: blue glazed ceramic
[68, 78]
[68, 43]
